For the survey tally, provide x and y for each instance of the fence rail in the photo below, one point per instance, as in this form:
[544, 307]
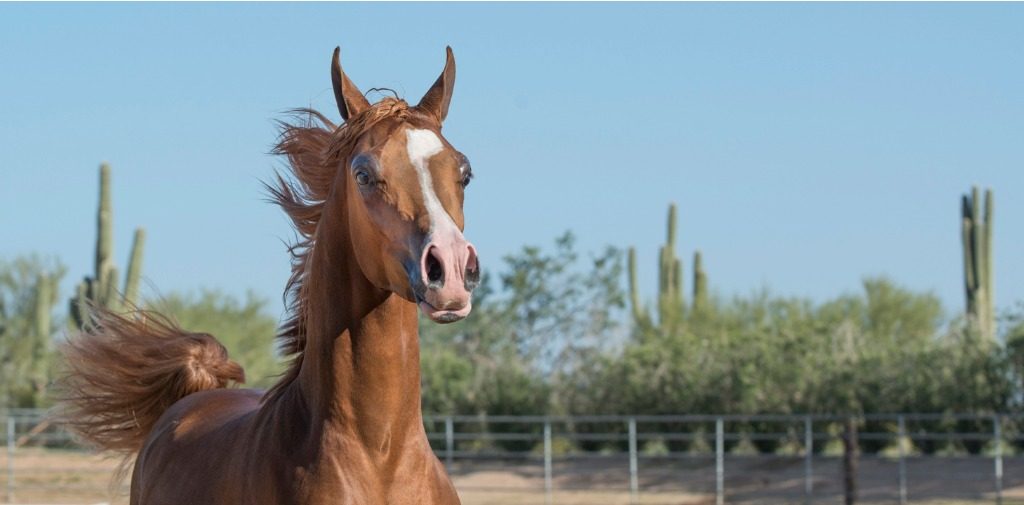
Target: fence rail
[795, 458]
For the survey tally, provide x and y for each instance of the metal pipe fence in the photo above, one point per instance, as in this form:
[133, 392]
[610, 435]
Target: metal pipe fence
[726, 458]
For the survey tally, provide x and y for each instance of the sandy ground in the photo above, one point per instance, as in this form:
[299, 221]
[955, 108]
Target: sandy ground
[66, 477]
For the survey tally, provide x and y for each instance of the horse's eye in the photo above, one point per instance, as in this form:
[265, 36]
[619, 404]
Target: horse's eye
[362, 178]
[468, 176]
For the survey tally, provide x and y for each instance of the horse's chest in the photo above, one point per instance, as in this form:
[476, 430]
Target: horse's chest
[358, 479]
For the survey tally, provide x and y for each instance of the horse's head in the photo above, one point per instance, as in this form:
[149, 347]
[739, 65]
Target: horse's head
[404, 185]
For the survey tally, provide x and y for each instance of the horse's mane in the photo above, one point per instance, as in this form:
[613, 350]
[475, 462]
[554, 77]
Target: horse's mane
[314, 148]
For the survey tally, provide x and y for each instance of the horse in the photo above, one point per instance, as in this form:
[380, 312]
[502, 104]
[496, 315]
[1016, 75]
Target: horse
[377, 204]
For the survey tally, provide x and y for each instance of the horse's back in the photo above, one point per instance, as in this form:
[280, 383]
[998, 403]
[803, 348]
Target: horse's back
[193, 449]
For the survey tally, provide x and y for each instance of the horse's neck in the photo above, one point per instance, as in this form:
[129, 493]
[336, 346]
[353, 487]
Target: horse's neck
[360, 374]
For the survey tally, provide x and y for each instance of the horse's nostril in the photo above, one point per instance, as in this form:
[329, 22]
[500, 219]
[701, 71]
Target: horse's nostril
[435, 271]
[472, 274]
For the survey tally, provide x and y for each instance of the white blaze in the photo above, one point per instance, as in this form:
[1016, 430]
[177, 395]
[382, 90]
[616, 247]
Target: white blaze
[421, 145]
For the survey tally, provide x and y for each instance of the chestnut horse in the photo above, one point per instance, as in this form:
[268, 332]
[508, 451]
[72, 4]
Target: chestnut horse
[377, 203]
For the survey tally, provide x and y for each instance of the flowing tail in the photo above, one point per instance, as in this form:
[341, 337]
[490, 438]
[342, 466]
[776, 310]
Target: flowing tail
[122, 372]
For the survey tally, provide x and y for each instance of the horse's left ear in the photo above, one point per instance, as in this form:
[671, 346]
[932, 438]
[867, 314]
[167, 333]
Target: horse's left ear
[436, 101]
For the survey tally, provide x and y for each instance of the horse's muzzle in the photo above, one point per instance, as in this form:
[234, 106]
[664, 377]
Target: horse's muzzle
[449, 271]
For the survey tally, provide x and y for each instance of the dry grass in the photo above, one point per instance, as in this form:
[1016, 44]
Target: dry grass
[72, 477]
[57, 476]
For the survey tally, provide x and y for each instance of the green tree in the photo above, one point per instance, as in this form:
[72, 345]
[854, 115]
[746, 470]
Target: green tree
[243, 326]
[548, 340]
[28, 294]
[878, 340]
[530, 348]
[869, 351]
[520, 350]
[1014, 339]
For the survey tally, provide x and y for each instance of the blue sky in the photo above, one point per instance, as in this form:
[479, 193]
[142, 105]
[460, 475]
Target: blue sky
[807, 145]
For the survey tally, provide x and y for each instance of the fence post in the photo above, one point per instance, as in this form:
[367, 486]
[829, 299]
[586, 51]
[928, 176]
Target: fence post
[808, 460]
[850, 453]
[10, 458]
[634, 481]
[719, 462]
[449, 441]
[902, 432]
[997, 432]
[547, 462]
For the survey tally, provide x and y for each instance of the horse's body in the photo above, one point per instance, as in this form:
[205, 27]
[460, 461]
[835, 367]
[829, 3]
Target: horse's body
[223, 446]
[378, 203]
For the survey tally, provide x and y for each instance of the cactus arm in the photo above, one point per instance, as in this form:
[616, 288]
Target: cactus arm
[104, 224]
[131, 281]
[677, 285]
[669, 275]
[700, 295]
[78, 307]
[976, 238]
[639, 311]
[664, 282]
[663, 273]
[634, 296]
[966, 236]
[41, 319]
[989, 284]
[111, 297]
[671, 232]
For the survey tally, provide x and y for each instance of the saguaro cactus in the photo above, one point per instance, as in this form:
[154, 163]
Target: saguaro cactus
[976, 236]
[101, 289]
[700, 284]
[670, 273]
[670, 281]
[38, 372]
[640, 315]
[43, 304]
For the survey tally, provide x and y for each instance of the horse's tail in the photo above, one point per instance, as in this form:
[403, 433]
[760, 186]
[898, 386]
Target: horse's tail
[123, 371]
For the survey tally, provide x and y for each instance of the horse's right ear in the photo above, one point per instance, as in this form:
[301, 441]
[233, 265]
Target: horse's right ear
[440, 94]
[350, 100]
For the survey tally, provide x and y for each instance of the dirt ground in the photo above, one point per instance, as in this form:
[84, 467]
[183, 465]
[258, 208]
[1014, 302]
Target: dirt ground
[67, 477]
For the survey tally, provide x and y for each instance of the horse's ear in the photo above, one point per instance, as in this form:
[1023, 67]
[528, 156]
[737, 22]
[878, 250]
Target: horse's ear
[350, 100]
[439, 95]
